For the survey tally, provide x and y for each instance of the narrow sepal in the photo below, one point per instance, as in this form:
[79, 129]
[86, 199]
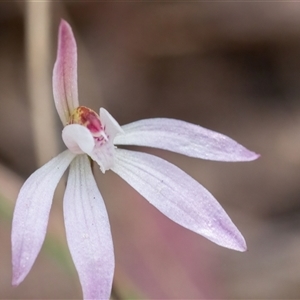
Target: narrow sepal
[32, 213]
[65, 89]
[184, 138]
[88, 231]
[178, 196]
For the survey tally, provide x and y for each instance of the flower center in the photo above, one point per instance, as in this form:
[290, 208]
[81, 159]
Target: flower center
[87, 133]
[90, 119]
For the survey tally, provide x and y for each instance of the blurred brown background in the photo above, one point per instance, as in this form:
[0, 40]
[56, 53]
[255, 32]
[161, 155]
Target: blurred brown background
[231, 67]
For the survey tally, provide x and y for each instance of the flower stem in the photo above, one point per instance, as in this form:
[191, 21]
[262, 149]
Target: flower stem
[38, 49]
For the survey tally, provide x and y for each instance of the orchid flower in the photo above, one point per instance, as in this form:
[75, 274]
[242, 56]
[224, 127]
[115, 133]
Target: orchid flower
[89, 136]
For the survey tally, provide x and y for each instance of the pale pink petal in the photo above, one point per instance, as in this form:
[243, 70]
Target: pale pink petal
[112, 127]
[65, 88]
[88, 231]
[78, 138]
[185, 138]
[32, 212]
[178, 196]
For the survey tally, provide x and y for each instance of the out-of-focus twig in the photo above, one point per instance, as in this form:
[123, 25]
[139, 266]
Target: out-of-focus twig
[39, 79]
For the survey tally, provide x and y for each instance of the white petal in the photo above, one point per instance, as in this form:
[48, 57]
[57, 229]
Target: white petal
[185, 138]
[178, 196]
[112, 127]
[78, 139]
[65, 89]
[32, 212]
[104, 155]
[88, 231]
